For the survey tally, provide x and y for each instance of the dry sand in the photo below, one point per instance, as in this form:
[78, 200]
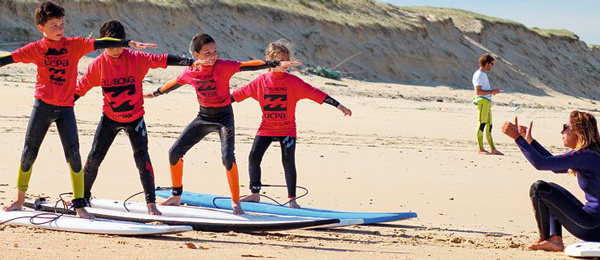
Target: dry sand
[406, 148]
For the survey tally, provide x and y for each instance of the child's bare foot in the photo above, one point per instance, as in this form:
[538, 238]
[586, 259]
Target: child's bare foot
[294, 205]
[237, 208]
[254, 197]
[553, 244]
[172, 201]
[82, 213]
[152, 210]
[17, 204]
[496, 152]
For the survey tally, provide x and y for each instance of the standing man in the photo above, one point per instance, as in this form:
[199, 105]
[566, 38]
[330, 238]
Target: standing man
[483, 100]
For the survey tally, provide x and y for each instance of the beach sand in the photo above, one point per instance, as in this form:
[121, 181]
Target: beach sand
[406, 148]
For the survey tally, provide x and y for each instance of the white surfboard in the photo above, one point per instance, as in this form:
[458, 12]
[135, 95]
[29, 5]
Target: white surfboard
[583, 249]
[89, 226]
[196, 212]
[208, 213]
[272, 223]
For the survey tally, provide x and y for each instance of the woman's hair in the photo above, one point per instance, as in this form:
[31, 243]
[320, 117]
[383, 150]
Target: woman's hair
[585, 128]
[198, 41]
[485, 59]
[279, 50]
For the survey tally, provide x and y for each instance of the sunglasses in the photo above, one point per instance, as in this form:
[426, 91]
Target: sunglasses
[565, 127]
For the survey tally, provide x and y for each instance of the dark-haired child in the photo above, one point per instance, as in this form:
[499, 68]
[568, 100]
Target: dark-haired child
[56, 58]
[120, 73]
[211, 82]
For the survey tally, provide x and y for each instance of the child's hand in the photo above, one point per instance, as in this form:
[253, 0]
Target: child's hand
[345, 110]
[141, 45]
[149, 95]
[197, 64]
[287, 64]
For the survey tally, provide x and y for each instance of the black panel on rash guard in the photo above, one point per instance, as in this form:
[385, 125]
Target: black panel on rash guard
[157, 92]
[5, 60]
[173, 60]
[331, 101]
[110, 43]
[267, 65]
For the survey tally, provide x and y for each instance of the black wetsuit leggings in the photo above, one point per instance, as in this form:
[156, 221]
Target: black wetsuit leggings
[209, 120]
[42, 116]
[105, 134]
[554, 207]
[288, 151]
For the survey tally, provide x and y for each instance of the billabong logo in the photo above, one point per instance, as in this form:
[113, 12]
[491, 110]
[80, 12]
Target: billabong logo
[118, 81]
[118, 90]
[115, 94]
[275, 102]
[124, 107]
[56, 74]
[54, 52]
[206, 85]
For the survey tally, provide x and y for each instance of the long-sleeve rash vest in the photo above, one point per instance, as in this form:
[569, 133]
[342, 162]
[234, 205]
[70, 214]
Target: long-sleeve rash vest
[121, 81]
[277, 94]
[57, 64]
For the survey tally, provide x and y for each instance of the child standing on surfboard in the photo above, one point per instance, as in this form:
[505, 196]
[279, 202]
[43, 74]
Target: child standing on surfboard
[277, 93]
[120, 73]
[211, 81]
[56, 58]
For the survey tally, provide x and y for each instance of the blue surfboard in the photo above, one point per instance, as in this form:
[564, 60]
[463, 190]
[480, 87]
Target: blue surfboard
[213, 201]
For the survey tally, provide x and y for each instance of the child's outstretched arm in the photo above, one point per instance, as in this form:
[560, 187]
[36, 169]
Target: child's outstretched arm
[108, 42]
[6, 59]
[331, 101]
[173, 60]
[90, 79]
[166, 88]
[259, 64]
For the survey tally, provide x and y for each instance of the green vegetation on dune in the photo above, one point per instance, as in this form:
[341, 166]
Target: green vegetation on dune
[458, 14]
[350, 12]
[555, 32]
[452, 13]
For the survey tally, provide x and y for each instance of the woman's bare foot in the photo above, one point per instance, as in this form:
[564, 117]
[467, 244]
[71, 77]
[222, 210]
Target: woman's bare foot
[237, 208]
[553, 244]
[496, 152]
[17, 204]
[172, 201]
[254, 197]
[152, 210]
[483, 151]
[294, 205]
[82, 213]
